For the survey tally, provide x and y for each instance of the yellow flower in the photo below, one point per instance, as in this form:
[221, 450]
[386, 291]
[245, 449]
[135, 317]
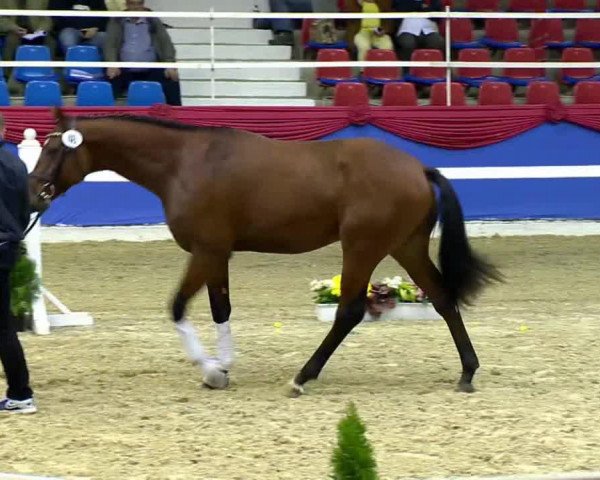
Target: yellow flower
[336, 285]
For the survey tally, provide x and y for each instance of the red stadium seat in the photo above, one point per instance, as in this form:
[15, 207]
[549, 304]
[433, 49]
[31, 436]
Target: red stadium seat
[474, 77]
[483, 5]
[543, 93]
[309, 45]
[521, 76]
[381, 75]
[331, 76]
[350, 94]
[495, 93]
[569, 6]
[401, 94]
[527, 5]
[461, 33]
[547, 32]
[571, 76]
[438, 94]
[426, 75]
[587, 92]
[501, 33]
[587, 32]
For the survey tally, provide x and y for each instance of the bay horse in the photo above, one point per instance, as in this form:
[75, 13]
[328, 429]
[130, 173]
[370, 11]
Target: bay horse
[226, 190]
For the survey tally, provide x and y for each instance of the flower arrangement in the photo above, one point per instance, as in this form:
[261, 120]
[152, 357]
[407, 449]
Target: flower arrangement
[385, 293]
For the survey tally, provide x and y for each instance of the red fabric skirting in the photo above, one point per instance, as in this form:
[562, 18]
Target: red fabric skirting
[446, 127]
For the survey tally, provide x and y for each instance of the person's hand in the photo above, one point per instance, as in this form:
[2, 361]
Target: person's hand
[89, 32]
[19, 31]
[172, 74]
[113, 72]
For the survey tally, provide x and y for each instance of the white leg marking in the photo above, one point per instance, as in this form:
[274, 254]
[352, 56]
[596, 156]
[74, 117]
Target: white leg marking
[191, 343]
[225, 348]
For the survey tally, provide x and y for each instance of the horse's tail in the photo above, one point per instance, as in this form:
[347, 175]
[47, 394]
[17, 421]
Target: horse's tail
[464, 273]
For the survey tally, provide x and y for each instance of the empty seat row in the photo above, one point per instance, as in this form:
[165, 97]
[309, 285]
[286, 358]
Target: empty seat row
[529, 5]
[41, 53]
[472, 76]
[44, 93]
[503, 33]
[491, 93]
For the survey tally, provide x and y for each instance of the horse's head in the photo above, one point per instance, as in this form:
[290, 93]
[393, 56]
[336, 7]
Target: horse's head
[61, 165]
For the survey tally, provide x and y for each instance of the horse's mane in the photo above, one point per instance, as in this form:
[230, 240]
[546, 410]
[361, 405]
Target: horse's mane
[160, 122]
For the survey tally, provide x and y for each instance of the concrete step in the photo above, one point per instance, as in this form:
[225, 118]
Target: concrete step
[223, 88]
[223, 36]
[261, 102]
[206, 5]
[234, 52]
[265, 74]
[240, 23]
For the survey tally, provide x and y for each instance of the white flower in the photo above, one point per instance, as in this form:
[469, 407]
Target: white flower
[318, 285]
[394, 282]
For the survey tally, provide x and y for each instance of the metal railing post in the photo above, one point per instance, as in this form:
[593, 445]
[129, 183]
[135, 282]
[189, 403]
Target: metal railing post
[448, 59]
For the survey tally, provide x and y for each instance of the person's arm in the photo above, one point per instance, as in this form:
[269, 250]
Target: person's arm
[164, 40]
[24, 207]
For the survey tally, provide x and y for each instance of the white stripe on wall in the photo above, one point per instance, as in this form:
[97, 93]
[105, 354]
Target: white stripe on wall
[456, 173]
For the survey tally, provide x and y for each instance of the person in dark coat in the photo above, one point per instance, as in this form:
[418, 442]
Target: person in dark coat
[14, 218]
[72, 31]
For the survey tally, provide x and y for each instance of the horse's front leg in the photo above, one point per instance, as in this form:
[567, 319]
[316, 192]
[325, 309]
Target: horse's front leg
[205, 268]
[220, 307]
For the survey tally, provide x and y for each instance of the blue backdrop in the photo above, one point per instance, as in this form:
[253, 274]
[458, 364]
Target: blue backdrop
[563, 144]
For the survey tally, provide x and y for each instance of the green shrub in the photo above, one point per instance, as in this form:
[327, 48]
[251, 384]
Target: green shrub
[353, 457]
[25, 285]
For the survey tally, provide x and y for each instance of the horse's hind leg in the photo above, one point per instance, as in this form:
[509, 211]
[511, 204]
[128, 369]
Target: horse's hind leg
[200, 268]
[358, 265]
[414, 257]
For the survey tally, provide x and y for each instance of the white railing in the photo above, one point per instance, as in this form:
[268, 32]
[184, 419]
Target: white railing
[212, 64]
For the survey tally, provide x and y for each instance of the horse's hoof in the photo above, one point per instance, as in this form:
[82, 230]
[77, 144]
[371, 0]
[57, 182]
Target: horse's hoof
[294, 390]
[465, 387]
[215, 378]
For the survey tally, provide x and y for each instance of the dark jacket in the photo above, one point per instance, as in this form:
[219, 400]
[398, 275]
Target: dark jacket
[161, 41]
[416, 5]
[14, 197]
[78, 22]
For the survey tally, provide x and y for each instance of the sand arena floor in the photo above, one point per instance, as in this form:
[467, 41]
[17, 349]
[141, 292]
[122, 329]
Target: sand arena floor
[119, 400]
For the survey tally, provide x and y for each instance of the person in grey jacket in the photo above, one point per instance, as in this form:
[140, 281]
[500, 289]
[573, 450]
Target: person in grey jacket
[141, 40]
[14, 218]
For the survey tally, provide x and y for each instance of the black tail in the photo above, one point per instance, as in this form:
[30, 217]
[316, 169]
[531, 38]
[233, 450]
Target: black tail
[464, 273]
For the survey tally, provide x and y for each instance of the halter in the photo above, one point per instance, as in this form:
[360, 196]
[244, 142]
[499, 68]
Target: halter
[48, 189]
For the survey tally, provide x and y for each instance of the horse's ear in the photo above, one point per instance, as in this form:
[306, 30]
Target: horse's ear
[61, 119]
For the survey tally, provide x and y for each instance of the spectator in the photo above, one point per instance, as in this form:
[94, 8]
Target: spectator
[72, 31]
[369, 33]
[115, 4]
[24, 29]
[141, 40]
[14, 217]
[417, 32]
[283, 28]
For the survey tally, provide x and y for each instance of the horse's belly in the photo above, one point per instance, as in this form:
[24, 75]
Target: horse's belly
[288, 239]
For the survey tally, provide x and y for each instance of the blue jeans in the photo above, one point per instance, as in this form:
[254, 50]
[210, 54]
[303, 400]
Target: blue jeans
[70, 37]
[288, 6]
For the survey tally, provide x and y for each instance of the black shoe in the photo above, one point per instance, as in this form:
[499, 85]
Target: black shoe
[283, 38]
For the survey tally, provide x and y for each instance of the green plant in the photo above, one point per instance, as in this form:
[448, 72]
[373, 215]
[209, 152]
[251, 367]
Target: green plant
[353, 457]
[25, 284]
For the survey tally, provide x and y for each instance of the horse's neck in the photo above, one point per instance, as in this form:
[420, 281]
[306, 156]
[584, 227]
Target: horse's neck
[145, 159]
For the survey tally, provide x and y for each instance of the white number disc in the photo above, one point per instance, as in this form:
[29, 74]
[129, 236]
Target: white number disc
[72, 138]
